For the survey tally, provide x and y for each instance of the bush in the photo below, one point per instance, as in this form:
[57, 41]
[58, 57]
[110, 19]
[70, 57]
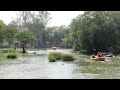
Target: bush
[67, 57]
[52, 59]
[12, 55]
[76, 47]
[5, 44]
[54, 56]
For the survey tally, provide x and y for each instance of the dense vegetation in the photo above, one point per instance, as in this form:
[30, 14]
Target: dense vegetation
[91, 31]
[12, 55]
[55, 56]
[39, 34]
[67, 57]
[97, 31]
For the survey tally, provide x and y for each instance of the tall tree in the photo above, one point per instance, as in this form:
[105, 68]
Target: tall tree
[97, 30]
[35, 22]
[2, 33]
[10, 32]
[24, 37]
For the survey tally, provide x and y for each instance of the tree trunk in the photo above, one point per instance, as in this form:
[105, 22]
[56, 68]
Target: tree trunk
[24, 49]
[15, 47]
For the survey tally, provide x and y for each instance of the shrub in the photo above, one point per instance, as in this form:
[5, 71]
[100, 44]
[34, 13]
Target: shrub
[12, 55]
[52, 59]
[76, 47]
[67, 57]
[54, 56]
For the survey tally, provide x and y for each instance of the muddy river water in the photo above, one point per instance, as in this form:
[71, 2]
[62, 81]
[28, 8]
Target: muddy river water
[37, 66]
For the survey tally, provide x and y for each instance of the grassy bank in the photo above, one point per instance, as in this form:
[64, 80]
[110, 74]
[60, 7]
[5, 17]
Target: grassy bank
[6, 54]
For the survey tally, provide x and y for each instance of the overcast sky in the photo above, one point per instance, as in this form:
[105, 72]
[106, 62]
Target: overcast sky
[58, 17]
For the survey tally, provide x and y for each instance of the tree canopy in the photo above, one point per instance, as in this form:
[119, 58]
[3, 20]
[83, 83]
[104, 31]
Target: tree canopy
[98, 30]
[24, 37]
[93, 30]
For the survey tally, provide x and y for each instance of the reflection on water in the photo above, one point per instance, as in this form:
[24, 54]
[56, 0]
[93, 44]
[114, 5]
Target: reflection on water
[37, 66]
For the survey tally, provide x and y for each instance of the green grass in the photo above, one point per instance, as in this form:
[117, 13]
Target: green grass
[67, 57]
[52, 59]
[54, 56]
[12, 55]
[6, 54]
[2, 56]
[8, 51]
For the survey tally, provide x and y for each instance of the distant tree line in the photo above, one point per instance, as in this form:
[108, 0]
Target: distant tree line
[30, 29]
[91, 31]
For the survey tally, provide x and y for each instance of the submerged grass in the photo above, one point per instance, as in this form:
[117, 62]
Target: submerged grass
[6, 54]
[8, 51]
[97, 67]
[67, 57]
[12, 55]
[54, 56]
[93, 70]
[81, 56]
[2, 56]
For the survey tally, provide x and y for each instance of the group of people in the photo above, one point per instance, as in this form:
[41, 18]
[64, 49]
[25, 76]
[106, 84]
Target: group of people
[103, 54]
[99, 54]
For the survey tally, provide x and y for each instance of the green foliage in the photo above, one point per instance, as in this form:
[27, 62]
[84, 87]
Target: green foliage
[10, 51]
[65, 41]
[83, 51]
[54, 56]
[2, 32]
[52, 59]
[10, 32]
[59, 37]
[24, 37]
[35, 22]
[16, 42]
[4, 44]
[12, 55]
[7, 51]
[67, 57]
[7, 34]
[76, 47]
[98, 30]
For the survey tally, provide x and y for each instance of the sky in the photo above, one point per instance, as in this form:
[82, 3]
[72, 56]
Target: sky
[58, 17]
[63, 17]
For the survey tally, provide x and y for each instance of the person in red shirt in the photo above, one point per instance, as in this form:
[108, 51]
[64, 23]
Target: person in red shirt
[99, 54]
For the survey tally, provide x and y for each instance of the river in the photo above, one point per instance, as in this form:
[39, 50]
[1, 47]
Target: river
[37, 66]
